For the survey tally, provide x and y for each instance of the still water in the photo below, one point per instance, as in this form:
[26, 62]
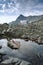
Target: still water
[29, 51]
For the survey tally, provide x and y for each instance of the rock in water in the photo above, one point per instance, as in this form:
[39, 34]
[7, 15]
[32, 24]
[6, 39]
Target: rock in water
[1, 56]
[14, 44]
[15, 61]
[25, 63]
[0, 46]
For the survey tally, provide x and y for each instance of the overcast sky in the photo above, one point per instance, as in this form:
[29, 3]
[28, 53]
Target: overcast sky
[11, 9]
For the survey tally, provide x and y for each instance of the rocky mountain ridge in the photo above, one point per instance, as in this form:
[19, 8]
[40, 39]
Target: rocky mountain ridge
[25, 20]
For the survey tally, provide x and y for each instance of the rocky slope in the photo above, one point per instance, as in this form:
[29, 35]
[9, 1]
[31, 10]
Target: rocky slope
[25, 20]
[33, 31]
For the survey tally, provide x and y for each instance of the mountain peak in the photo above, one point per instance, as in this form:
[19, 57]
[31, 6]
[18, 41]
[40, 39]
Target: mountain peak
[21, 17]
[28, 19]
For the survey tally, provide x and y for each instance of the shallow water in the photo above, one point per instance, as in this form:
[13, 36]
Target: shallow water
[28, 50]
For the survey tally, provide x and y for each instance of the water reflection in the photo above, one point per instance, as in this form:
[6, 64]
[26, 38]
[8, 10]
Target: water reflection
[28, 51]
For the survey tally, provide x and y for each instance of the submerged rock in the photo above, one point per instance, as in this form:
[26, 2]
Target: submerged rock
[14, 44]
[0, 46]
[1, 56]
[15, 61]
[11, 60]
[25, 63]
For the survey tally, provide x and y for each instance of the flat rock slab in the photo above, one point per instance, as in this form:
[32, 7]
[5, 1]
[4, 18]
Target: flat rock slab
[25, 63]
[15, 61]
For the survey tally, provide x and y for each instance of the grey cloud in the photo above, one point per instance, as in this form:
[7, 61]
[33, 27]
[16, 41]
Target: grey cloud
[25, 7]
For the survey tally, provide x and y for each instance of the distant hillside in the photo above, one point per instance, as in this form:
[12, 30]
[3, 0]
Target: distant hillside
[39, 22]
[25, 20]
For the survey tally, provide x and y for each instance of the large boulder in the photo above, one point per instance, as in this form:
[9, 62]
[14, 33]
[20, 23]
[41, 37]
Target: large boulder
[26, 37]
[39, 40]
[13, 44]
